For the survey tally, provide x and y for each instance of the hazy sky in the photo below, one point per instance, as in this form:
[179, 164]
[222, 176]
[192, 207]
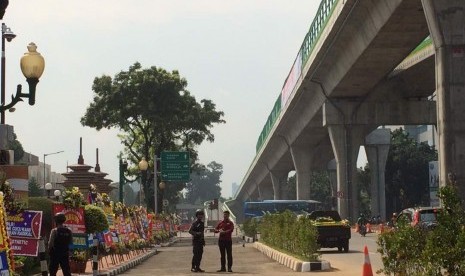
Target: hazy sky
[236, 53]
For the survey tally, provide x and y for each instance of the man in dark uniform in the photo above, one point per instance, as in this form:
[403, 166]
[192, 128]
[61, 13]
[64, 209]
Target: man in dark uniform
[198, 240]
[58, 245]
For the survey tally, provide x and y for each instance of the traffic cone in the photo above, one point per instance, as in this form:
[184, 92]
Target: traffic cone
[356, 228]
[367, 271]
[369, 228]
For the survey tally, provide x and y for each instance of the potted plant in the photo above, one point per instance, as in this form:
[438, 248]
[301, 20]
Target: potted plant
[78, 261]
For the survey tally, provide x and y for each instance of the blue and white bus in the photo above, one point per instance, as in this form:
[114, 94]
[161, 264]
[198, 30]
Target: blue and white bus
[260, 208]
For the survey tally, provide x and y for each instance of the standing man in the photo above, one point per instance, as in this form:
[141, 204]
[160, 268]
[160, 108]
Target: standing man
[58, 246]
[225, 228]
[198, 240]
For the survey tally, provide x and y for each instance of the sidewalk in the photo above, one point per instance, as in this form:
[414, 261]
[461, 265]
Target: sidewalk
[117, 264]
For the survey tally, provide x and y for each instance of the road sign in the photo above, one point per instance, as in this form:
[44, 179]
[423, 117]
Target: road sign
[175, 166]
[165, 202]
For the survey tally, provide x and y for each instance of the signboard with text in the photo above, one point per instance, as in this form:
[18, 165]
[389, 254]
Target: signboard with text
[175, 166]
[26, 224]
[74, 218]
[24, 230]
[24, 246]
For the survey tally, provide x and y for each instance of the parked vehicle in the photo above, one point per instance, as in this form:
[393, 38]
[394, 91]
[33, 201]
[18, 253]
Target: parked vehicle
[260, 208]
[362, 230]
[424, 217]
[332, 230]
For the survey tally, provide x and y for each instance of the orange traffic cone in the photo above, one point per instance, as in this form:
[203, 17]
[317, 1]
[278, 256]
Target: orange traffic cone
[356, 228]
[367, 271]
[369, 228]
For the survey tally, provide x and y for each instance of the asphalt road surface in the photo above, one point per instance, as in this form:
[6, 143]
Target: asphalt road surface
[176, 260]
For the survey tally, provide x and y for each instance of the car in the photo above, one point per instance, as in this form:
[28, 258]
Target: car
[332, 230]
[424, 217]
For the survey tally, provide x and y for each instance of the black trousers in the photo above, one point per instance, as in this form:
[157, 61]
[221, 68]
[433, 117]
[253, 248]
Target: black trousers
[197, 249]
[225, 249]
[59, 259]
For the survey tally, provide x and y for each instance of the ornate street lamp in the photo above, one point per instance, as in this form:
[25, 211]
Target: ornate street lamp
[57, 194]
[32, 66]
[48, 188]
[143, 166]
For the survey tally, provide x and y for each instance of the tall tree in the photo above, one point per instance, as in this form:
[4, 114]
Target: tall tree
[154, 112]
[17, 147]
[205, 183]
[34, 188]
[363, 190]
[320, 188]
[407, 172]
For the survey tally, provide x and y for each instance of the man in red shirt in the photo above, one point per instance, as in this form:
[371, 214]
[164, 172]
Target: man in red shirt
[225, 228]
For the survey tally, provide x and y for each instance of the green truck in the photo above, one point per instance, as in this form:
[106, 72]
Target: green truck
[332, 230]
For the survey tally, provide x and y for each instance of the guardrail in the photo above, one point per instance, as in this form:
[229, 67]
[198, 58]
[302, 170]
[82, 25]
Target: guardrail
[319, 23]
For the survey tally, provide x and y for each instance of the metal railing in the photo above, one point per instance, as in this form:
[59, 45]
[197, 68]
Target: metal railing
[324, 12]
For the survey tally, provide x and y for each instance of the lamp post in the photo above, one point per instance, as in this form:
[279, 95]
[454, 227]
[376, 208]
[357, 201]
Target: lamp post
[123, 166]
[143, 166]
[57, 194]
[32, 66]
[45, 155]
[162, 186]
[8, 35]
[155, 186]
[48, 188]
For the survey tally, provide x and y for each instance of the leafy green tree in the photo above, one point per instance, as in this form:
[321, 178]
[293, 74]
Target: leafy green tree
[407, 172]
[320, 188]
[154, 112]
[205, 184]
[363, 188]
[34, 188]
[17, 147]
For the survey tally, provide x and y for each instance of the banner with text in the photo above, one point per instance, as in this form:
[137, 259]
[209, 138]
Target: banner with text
[74, 218]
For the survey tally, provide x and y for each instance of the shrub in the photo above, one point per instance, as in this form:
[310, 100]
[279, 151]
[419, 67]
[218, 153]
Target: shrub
[286, 232]
[250, 227]
[414, 251]
[96, 220]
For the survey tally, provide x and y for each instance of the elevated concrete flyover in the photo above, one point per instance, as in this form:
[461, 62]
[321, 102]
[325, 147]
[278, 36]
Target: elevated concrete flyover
[352, 74]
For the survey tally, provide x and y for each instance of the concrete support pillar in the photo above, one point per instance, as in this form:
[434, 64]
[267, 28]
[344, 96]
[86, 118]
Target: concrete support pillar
[266, 190]
[302, 158]
[332, 172]
[377, 148]
[255, 196]
[446, 21]
[346, 141]
[277, 178]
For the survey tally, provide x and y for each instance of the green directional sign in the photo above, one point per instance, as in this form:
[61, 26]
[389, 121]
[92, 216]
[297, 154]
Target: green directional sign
[175, 166]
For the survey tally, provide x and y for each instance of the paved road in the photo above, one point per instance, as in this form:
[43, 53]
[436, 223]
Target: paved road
[176, 260]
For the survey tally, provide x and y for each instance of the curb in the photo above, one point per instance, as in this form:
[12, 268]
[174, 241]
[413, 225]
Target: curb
[126, 266]
[291, 262]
